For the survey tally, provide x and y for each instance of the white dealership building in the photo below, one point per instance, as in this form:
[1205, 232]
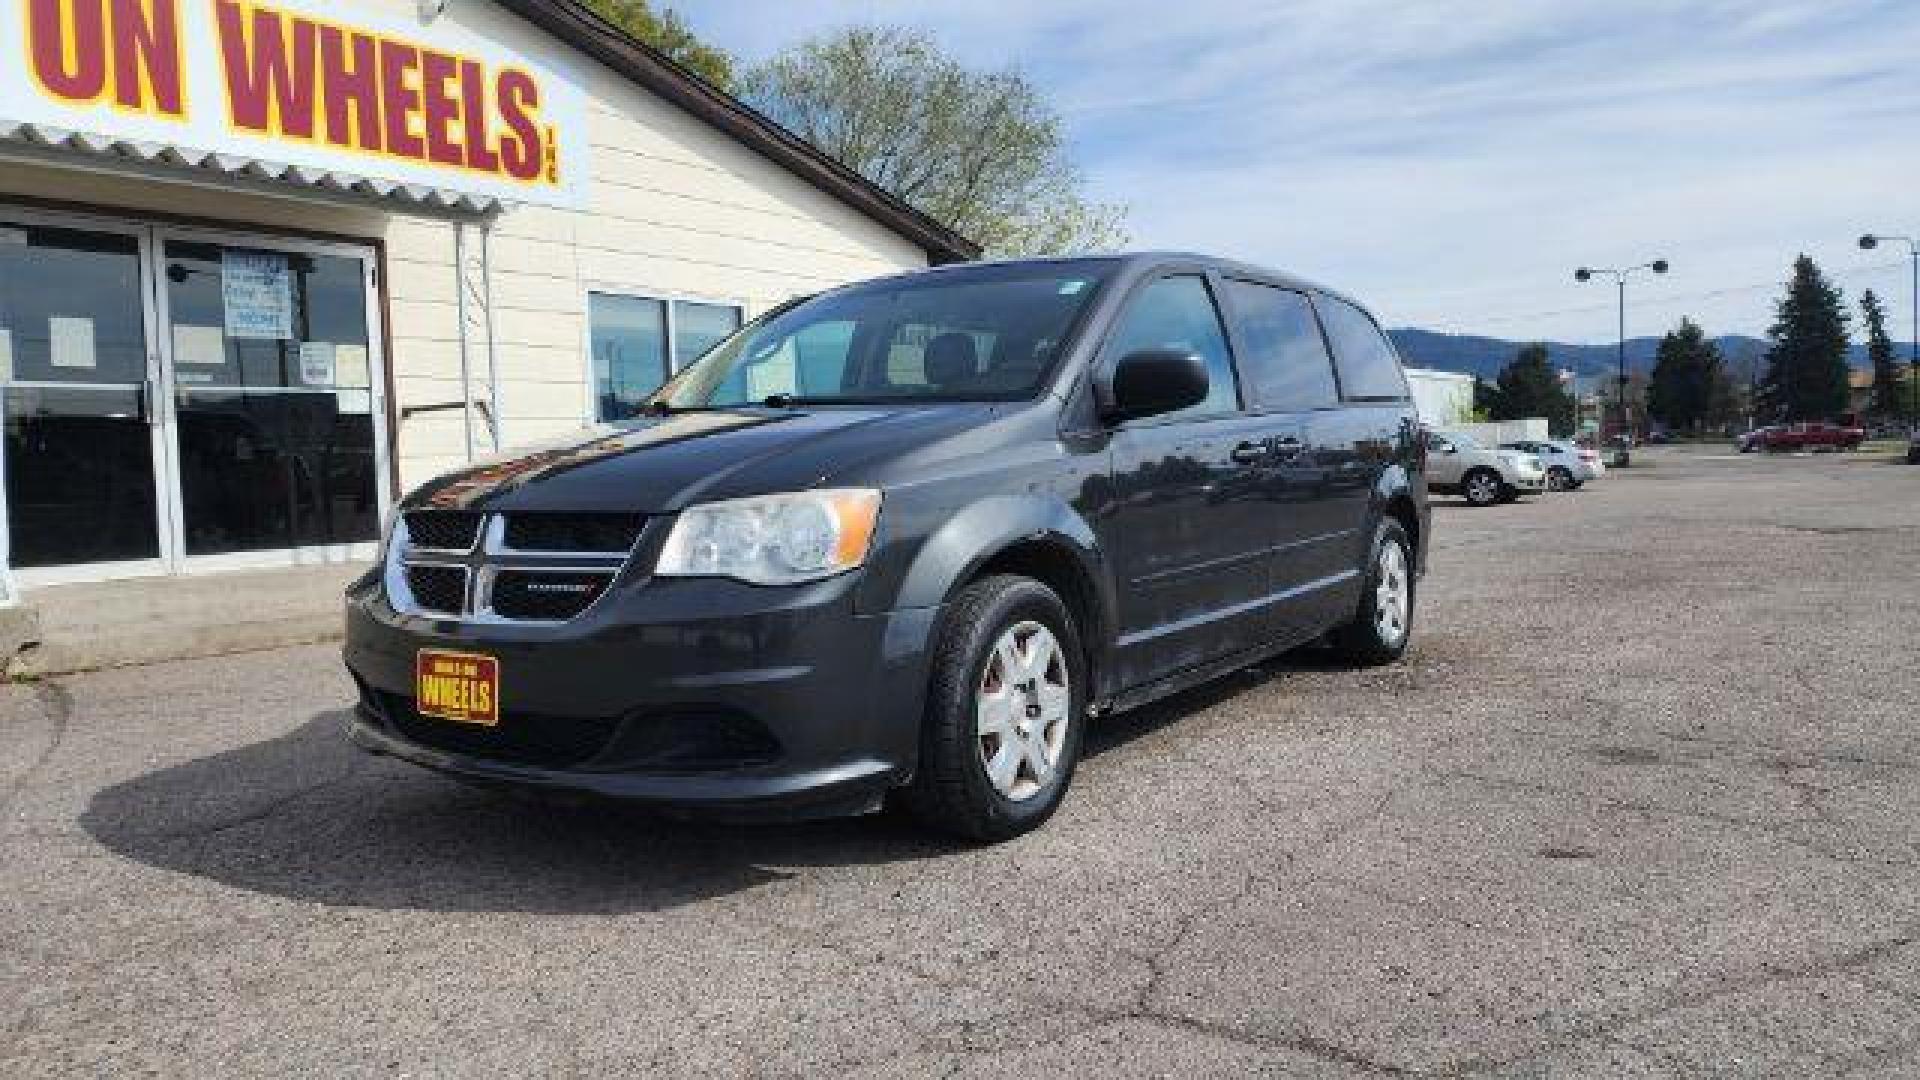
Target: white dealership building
[263, 265]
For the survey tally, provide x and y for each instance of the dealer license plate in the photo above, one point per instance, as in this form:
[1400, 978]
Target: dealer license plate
[457, 686]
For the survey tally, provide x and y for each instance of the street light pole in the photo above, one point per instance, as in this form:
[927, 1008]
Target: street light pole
[1868, 243]
[1623, 455]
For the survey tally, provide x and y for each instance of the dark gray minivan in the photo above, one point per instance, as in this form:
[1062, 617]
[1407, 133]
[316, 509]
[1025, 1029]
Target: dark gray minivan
[907, 537]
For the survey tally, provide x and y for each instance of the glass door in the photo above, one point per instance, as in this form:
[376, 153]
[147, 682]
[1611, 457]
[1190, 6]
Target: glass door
[83, 494]
[270, 381]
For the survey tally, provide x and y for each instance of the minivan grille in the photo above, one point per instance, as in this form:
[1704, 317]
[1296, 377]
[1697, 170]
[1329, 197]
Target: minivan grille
[534, 567]
[440, 589]
[546, 596]
[599, 533]
[443, 530]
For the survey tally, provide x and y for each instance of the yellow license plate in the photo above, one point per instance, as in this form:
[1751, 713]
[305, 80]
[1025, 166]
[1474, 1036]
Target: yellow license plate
[457, 686]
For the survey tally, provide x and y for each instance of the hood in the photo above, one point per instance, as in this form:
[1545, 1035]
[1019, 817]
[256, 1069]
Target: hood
[657, 465]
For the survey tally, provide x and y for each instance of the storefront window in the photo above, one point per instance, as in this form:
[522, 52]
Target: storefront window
[274, 398]
[633, 338]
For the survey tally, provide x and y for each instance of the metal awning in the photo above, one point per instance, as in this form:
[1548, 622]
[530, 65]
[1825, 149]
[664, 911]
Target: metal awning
[60, 146]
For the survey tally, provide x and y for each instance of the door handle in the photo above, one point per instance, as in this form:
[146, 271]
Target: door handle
[1250, 453]
[1288, 447]
[149, 403]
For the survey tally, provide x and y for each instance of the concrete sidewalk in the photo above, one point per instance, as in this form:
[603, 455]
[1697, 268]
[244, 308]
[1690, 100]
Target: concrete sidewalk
[68, 628]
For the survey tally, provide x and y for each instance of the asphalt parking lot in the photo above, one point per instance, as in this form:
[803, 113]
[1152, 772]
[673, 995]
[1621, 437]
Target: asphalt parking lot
[1645, 801]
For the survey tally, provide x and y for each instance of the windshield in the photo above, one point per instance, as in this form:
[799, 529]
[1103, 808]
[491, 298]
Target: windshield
[986, 334]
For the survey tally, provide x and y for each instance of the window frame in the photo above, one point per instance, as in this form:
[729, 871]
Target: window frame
[1406, 393]
[667, 299]
[1249, 405]
[1106, 359]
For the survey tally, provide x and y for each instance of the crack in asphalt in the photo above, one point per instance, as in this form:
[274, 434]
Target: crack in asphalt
[1725, 987]
[56, 702]
[1776, 830]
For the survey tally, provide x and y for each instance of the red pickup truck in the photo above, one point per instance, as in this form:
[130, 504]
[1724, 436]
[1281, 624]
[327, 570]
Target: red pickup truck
[1817, 436]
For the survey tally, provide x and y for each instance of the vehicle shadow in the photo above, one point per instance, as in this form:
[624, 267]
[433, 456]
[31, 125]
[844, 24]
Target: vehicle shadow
[307, 817]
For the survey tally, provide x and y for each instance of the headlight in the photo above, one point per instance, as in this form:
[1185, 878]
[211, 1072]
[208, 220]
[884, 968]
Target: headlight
[773, 539]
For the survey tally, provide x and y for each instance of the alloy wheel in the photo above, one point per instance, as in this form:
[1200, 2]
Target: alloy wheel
[1022, 709]
[1392, 595]
[1483, 489]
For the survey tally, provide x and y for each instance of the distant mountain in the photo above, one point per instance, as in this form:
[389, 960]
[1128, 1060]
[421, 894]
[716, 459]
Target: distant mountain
[1485, 356]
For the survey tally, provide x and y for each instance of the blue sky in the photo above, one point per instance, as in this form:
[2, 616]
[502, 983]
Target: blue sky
[1451, 163]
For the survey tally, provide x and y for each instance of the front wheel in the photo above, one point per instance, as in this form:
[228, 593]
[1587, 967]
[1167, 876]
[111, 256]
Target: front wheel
[1004, 712]
[1483, 487]
[1382, 624]
[1560, 478]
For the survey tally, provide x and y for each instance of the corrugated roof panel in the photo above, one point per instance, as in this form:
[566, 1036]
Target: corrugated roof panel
[229, 166]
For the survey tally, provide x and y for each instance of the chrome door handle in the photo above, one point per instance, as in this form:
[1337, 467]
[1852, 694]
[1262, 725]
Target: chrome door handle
[1250, 453]
[1288, 447]
[149, 402]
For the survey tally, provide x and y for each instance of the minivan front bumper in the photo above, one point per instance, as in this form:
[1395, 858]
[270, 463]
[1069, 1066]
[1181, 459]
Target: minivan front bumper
[693, 694]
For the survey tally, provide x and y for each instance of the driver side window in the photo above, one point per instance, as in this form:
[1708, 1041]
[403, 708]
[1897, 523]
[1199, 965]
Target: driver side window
[1178, 313]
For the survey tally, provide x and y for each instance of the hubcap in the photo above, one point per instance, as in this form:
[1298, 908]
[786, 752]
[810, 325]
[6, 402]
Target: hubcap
[1391, 594]
[1483, 489]
[1022, 709]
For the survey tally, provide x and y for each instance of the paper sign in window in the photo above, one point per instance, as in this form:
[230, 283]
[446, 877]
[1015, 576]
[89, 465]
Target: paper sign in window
[199, 345]
[256, 288]
[350, 366]
[71, 342]
[316, 363]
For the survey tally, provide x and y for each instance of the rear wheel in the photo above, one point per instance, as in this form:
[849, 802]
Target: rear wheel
[1482, 487]
[1382, 624]
[1004, 712]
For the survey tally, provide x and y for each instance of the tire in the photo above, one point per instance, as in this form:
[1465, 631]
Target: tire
[1382, 623]
[964, 785]
[1560, 478]
[1482, 487]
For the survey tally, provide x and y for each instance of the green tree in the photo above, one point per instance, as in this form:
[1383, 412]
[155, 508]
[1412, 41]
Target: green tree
[1807, 362]
[1886, 370]
[980, 151]
[1486, 400]
[670, 35]
[1689, 387]
[1529, 386]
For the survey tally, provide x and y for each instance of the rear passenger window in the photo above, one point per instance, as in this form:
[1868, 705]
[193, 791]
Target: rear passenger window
[1369, 370]
[1286, 361]
[1178, 313]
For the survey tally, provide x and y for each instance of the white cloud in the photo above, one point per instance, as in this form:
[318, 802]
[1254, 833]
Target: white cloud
[1452, 162]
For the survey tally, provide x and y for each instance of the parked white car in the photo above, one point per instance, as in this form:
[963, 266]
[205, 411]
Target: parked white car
[1459, 464]
[1568, 467]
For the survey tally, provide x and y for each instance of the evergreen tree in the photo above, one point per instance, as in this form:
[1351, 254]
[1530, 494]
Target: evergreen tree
[1807, 364]
[1529, 387]
[1886, 370]
[1688, 375]
[1486, 399]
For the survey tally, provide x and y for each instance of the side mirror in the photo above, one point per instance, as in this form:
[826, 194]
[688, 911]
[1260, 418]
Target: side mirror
[1152, 382]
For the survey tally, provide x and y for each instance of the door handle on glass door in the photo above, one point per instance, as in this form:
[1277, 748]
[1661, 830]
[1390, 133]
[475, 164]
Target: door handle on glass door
[149, 402]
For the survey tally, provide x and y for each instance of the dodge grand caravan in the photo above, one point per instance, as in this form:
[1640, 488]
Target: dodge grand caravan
[907, 538]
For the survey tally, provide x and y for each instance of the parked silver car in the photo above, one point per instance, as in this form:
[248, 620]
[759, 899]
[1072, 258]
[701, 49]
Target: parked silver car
[1459, 464]
[1567, 468]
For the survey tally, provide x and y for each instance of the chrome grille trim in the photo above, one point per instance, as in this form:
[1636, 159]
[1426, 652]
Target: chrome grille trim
[484, 562]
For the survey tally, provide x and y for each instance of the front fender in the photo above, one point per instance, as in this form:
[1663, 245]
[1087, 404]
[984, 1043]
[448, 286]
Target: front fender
[964, 541]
